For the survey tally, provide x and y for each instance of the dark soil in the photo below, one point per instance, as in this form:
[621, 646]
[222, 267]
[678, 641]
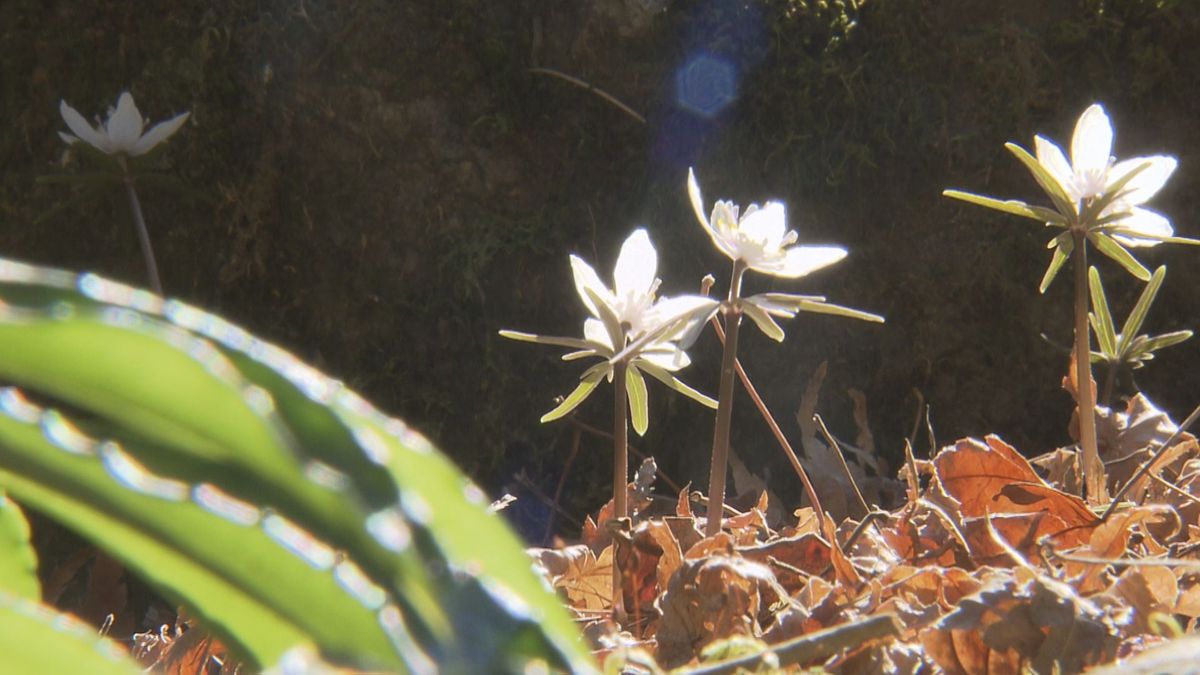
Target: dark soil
[380, 186]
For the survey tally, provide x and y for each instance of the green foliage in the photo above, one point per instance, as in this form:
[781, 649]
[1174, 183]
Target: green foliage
[1129, 349]
[273, 502]
[37, 639]
[18, 560]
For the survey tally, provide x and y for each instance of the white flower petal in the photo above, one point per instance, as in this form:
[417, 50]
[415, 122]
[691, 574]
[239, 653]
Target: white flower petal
[636, 265]
[667, 356]
[1091, 145]
[1148, 182]
[1051, 157]
[124, 127]
[669, 309]
[801, 260]
[1142, 221]
[766, 225]
[593, 329]
[585, 278]
[158, 133]
[82, 130]
[696, 199]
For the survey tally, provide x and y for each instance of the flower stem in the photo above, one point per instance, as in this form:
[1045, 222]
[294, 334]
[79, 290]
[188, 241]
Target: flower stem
[1093, 468]
[720, 452]
[143, 235]
[620, 476]
[620, 441]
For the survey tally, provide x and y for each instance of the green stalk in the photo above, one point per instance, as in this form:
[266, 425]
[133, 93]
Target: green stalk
[720, 452]
[1093, 468]
[620, 441]
[139, 222]
[620, 475]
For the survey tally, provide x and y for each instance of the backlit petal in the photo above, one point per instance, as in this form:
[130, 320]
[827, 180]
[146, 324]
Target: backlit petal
[695, 197]
[84, 131]
[1051, 157]
[766, 225]
[1091, 145]
[158, 133]
[1146, 183]
[593, 330]
[802, 260]
[636, 265]
[586, 277]
[1142, 221]
[125, 126]
[667, 356]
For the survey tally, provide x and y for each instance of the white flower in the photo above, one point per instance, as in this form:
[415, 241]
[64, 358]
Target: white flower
[1092, 171]
[760, 238]
[637, 311]
[122, 133]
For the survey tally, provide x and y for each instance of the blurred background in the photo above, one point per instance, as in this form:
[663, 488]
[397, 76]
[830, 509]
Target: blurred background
[380, 186]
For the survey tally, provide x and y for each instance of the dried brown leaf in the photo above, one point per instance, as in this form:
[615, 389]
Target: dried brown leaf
[973, 473]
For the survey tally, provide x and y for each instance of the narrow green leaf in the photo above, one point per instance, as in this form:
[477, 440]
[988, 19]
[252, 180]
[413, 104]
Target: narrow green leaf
[639, 409]
[1062, 251]
[573, 399]
[763, 320]
[676, 384]
[568, 342]
[1137, 315]
[1013, 206]
[18, 560]
[1062, 201]
[1171, 339]
[1109, 247]
[612, 323]
[1103, 326]
[35, 638]
[1118, 229]
[839, 310]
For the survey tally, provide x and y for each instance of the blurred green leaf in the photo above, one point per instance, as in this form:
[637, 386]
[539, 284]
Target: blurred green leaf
[35, 638]
[353, 481]
[18, 560]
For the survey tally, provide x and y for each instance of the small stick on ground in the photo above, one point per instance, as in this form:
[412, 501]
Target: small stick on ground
[812, 647]
[837, 449]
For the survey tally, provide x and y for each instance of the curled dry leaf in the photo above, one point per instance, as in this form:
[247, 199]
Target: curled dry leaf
[710, 598]
[1023, 621]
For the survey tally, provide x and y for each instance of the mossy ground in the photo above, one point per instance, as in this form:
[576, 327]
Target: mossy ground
[384, 185]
